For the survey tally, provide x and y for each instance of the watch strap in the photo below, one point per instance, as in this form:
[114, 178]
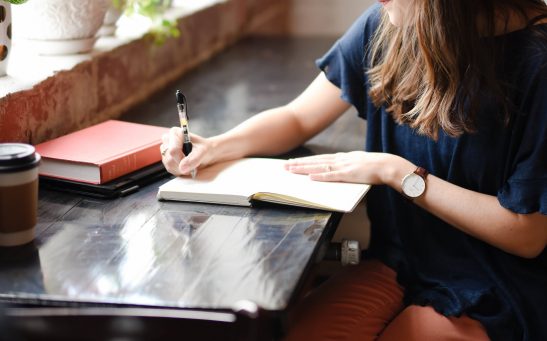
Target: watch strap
[421, 172]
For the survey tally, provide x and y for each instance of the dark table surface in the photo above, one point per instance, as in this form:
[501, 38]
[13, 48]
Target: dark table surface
[136, 250]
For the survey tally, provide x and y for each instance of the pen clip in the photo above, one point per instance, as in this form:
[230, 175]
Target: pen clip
[182, 105]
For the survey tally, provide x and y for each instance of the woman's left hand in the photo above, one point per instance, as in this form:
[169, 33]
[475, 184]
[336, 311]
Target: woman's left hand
[356, 166]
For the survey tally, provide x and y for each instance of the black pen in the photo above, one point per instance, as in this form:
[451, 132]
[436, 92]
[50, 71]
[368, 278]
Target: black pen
[183, 117]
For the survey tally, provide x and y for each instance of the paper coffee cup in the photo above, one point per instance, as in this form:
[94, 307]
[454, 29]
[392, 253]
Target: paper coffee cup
[18, 193]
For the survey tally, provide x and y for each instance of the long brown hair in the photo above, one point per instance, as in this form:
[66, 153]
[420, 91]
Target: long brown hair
[428, 71]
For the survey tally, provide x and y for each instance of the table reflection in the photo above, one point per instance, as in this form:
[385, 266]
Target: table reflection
[179, 258]
[20, 269]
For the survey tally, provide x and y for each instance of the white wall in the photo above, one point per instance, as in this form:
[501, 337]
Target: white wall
[324, 17]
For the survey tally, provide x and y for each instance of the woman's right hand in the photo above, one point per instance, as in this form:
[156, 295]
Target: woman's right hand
[175, 161]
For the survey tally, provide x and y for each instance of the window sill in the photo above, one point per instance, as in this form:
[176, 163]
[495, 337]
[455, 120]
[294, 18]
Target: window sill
[46, 96]
[21, 77]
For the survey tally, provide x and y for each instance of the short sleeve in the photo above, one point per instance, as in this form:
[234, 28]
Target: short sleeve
[344, 64]
[525, 190]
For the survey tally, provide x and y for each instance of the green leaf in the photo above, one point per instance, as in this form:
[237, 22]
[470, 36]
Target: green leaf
[152, 9]
[16, 2]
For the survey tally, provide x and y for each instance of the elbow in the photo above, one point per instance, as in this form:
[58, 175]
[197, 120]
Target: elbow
[529, 249]
[531, 252]
[301, 132]
[530, 235]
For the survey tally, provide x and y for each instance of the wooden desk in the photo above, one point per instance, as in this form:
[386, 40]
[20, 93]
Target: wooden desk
[136, 251]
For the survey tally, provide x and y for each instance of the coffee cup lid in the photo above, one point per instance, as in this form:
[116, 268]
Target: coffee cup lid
[17, 157]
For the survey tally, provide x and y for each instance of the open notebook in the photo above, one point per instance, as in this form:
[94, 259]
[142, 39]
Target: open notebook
[241, 181]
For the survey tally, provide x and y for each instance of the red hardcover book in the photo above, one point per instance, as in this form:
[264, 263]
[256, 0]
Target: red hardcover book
[102, 152]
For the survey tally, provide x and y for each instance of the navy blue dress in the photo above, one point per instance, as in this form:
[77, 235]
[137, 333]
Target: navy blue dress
[437, 264]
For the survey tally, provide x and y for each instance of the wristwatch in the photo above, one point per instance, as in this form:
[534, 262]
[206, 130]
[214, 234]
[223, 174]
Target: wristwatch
[413, 184]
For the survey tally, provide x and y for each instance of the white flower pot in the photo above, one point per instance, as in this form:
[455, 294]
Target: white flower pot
[110, 19]
[59, 26]
[5, 36]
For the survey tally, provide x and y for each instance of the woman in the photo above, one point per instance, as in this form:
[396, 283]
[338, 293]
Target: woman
[455, 98]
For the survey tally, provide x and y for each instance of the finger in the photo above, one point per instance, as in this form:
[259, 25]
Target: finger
[191, 161]
[164, 146]
[171, 165]
[195, 158]
[310, 164]
[174, 145]
[163, 150]
[326, 176]
[314, 159]
[175, 139]
[313, 168]
[171, 150]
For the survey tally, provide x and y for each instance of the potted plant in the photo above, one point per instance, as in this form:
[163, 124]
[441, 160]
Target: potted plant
[59, 26]
[152, 11]
[5, 32]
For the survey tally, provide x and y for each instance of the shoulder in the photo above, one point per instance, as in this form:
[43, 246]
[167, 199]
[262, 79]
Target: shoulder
[523, 71]
[363, 29]
[369, 20]
[344, 63]
[526, 50]
[352, 46]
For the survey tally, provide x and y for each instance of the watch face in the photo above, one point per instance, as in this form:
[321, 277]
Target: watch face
[413, 185]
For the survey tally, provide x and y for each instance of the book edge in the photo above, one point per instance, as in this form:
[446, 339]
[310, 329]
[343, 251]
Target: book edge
[118, 155]
[284, 199]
